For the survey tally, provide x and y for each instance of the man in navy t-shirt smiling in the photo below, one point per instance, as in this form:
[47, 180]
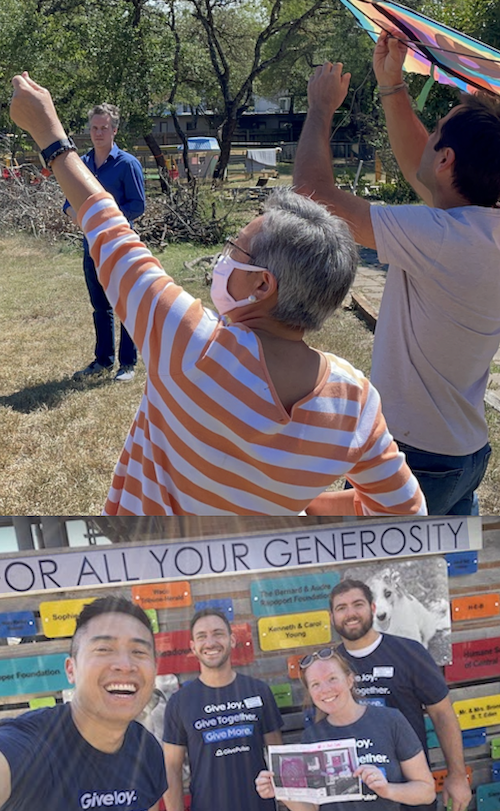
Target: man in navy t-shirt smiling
[399, 672]
[91, 753]
[223, 720]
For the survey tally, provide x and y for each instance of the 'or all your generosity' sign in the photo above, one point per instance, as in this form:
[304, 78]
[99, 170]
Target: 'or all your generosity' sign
[313, 546]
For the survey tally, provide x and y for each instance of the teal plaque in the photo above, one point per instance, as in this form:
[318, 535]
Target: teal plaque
[488, 797]
[33, 674]
[432, 738]
[287, 595]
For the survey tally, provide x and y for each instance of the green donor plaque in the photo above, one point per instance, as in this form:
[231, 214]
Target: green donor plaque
[282, 694]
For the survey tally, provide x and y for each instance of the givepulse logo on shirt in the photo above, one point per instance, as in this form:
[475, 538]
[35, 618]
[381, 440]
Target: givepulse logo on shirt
[104, 799]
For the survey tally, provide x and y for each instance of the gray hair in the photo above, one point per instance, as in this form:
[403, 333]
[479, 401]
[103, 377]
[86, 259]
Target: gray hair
[312, 255]
[106, 109]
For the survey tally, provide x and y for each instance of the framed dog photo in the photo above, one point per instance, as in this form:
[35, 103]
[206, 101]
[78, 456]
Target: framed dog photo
[412, 600]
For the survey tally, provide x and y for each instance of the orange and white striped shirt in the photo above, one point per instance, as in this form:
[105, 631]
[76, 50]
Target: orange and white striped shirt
[210, 436]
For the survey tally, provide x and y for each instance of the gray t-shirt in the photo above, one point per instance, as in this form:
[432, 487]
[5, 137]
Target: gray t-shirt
[439, 323]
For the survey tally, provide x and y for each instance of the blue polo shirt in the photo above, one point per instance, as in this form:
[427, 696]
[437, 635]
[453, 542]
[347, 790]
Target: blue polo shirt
[120, 175]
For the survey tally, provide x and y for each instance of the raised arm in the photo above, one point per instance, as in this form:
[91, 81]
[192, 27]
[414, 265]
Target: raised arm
[313, 169]
[407, 134]
[32, 109]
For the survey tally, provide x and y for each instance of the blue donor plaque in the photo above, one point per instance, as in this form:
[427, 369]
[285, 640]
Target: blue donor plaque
[287, 595]
[17, 623]
[460, 563]
[473, 737]
[223, 604]
[33, 674]
[488, 797]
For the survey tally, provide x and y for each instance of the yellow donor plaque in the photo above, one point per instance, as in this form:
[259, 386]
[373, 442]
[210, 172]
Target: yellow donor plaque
[294, 630]
[59, 617]
[478, 712]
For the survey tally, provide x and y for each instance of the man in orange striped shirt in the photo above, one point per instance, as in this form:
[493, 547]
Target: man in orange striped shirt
[239, 415]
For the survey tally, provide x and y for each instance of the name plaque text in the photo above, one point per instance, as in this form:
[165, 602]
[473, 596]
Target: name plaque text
[163, 595]
[294, 630]
[17, 623]
[478, 712]
[461, 563]
[33, 674]
[478, 658]
[58, 617]
[488, 797]
[280, 595]
[475, 607]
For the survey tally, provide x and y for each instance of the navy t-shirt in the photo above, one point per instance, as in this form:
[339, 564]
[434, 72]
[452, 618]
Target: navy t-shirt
[53, 767]
[399, 673]
[384, 738]
[223, 730]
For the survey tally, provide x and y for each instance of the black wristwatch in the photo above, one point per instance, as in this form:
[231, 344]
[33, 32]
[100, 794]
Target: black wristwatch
[57, 148]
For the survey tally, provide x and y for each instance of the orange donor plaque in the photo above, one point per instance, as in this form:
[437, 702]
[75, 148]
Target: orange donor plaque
[475, 606]
[162, 595]
[440, 774]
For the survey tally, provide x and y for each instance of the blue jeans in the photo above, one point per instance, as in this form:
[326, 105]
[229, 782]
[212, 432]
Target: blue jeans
[448, 482]
[104, 323]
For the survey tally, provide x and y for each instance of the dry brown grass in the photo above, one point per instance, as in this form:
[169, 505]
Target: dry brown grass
[61, 438]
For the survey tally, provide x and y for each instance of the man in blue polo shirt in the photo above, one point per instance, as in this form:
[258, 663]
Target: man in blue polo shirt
[121, 175]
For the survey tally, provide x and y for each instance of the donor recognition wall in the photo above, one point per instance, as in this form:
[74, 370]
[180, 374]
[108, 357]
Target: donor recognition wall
[434, 580]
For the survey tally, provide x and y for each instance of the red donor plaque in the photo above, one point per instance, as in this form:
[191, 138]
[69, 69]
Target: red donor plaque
[479, 658]
[243, 652]
[173, 653]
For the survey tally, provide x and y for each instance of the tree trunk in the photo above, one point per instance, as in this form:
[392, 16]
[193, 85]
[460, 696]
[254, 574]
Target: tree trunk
[185, 146]
[228, 129]
[160, 162]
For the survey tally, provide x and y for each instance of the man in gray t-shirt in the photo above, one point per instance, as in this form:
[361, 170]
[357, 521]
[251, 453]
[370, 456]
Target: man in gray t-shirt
[439, 322]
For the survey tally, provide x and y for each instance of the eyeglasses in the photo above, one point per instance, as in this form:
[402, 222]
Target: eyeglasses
[229, 245]
[322, 655]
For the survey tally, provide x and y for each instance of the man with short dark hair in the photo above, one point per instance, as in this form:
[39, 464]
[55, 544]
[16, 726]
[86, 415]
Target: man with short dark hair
[400, 673]
[91, 752]
[222, 720]
[439, 322]
[120, 173]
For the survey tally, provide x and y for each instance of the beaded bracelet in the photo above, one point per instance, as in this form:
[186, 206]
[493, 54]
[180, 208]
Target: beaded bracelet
[388, 90]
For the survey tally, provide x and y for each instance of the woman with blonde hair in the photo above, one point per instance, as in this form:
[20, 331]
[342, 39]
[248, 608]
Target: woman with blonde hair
[383, 737]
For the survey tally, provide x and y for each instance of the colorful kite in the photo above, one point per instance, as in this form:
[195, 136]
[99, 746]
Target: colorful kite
[433, 49]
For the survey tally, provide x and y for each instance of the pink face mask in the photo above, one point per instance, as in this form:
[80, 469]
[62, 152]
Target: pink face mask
[223, 268]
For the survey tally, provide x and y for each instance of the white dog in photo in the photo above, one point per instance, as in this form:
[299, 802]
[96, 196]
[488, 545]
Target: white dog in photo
[398, 612]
